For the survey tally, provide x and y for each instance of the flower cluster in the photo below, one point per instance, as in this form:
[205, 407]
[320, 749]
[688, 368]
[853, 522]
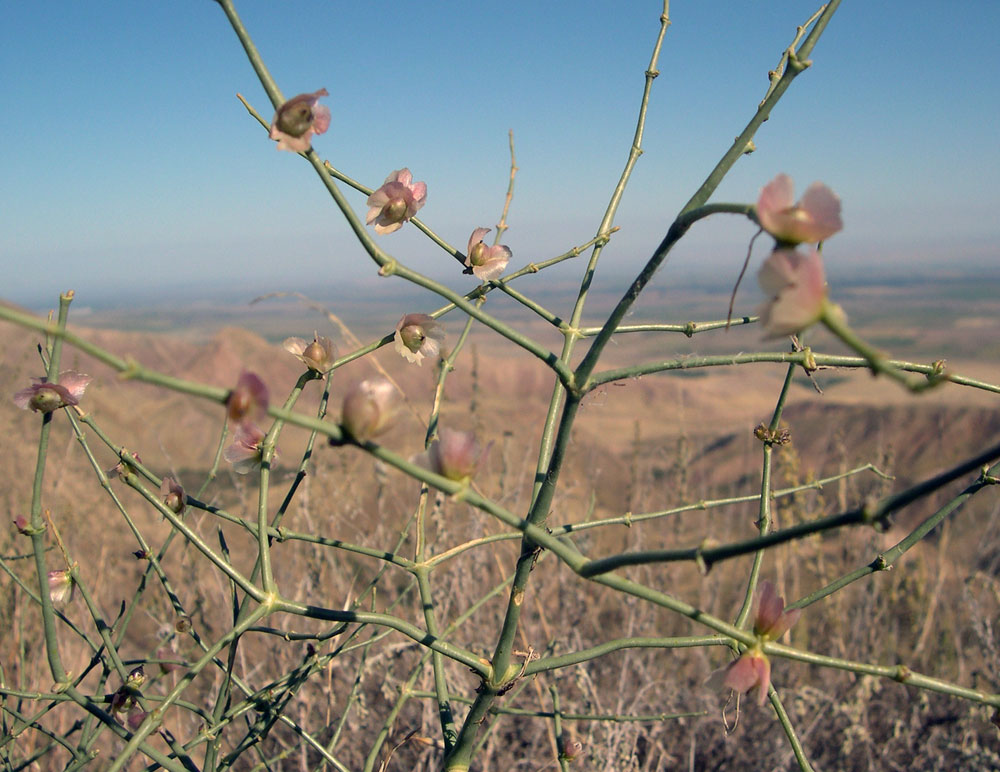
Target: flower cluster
[771, 621]
[298, 119]
[795, 282]
[396, 201]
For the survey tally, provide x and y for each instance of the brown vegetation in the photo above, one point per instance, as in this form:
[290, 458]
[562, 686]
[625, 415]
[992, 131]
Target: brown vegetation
[688, 439]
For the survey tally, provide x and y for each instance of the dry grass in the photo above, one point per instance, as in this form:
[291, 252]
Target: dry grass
[687, 439]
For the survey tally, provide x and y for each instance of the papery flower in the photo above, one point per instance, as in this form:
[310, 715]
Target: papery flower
[418, 336]
[396, 201]
[247, 403]
[796, 284]
[44, 397]
[122, 467]
[172, 495]
[298, 119]
[814, 218]
[318, 355]
[368, 409]
[486, 262]
[455, 455]
[60, 585]
[22, 525]
[245, 452]
[770, 619]
[750, 670]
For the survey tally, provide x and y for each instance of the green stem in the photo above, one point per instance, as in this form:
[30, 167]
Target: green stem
[868, 514]
[764, 507]
[806, 358]
[59, 674]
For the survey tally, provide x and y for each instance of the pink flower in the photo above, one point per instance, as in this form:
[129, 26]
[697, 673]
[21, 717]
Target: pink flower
[418, 336]
[750, 670]
[796, 285]
[369, 408]
[44, 397]
[814, 218]
[245, 452]
[753, 669]
[486, 262]
[60, 585]
[247, 403]
[318, 355]
[396, 201]
[298, 119]
[771, 620]
[22, 525]
[172, 495]
[455, 455]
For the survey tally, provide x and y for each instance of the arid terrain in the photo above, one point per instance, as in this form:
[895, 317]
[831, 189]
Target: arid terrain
[641, 445]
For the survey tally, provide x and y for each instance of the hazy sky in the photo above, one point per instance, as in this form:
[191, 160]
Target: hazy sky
[128, 162]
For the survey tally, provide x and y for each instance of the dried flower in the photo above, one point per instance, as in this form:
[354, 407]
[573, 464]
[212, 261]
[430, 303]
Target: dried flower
[247, 403]
[318, 355]
[122, 468]
[368, 408]
[172, 495]
[455, 455]
[396, 201]
[44, 397]
[796, 284]
[245, 452]
[486, 262]
[418, 336]
[60, 585]
[814, 218]
[298, 119]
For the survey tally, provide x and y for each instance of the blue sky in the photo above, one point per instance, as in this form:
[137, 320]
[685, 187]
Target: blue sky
[128, 162]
